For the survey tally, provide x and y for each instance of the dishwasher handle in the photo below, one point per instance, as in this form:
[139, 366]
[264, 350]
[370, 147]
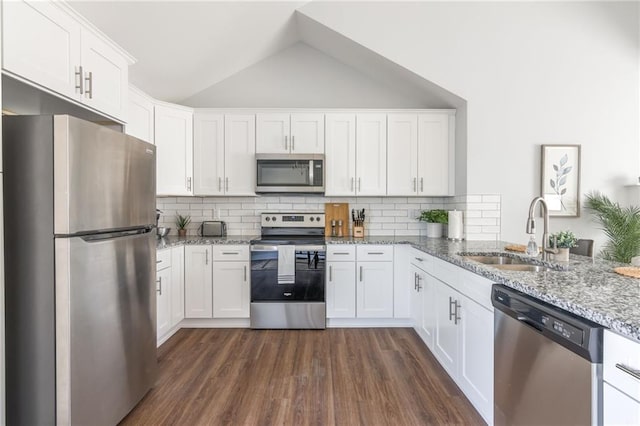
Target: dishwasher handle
[530, 322]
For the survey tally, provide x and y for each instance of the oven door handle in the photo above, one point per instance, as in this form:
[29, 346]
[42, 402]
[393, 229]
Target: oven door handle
[257, 247]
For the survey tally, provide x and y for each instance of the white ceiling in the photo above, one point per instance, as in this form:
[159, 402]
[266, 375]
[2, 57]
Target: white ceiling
[183, 47]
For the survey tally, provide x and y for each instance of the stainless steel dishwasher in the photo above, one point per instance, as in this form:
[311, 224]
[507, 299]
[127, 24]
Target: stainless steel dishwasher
[547, 363]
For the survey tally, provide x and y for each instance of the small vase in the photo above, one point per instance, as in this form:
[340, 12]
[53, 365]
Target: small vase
[562, 255]
[182, 232]
[434, 230]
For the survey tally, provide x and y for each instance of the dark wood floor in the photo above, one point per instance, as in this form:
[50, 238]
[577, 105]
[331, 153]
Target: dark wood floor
[375, 376]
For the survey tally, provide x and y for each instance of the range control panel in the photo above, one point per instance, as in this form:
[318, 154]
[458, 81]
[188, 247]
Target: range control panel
[292, 220]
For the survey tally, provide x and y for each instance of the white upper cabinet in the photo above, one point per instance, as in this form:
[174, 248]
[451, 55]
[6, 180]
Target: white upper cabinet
[436, 153]
[41, 43]
[174, 155]
[371, 154]
[278, 133]
[421, 154]
[356, 154]
[140, 115]
[47, 44]
[106, 76]
[224, 154]
[340, 155]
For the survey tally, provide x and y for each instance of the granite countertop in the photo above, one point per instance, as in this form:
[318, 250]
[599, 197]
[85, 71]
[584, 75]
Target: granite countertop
[586, 287]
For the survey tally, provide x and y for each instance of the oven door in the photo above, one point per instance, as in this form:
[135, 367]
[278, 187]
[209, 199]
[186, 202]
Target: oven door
[309, 283]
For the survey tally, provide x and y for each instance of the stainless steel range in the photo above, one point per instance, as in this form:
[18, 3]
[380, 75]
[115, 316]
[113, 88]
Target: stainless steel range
[288, 272]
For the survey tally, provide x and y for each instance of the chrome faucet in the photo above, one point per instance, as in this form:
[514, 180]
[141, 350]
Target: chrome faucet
[531, 226]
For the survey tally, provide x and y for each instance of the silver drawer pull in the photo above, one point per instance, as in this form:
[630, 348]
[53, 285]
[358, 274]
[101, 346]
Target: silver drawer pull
[341, 253]
[375, 252]
[158, 261]
[419, 259]
[230, 252]
[630, 371]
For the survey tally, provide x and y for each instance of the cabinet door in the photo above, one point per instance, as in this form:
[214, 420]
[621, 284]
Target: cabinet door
[41, 43]
[198, 284]
[307, 133]
[402, 155]
[435, 154]
[371, 154]
[240, 158]
[341, 289]
[272, 134]
[108, 76]
[340, 155]
[416, 300]
[619, 408]
[231, 289]
[208, 154]
[375, 290]
[174, 141]
[177, 285]
[163, 301]
[428, 291]
[446, 338]
[139, 116]
[476, 355]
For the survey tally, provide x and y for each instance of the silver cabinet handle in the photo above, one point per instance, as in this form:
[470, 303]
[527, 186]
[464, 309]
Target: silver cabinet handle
[79, 82]
[375, 252]
[352, 183]
[415, 188]
[226, 184]
[415, 281]
[220, 184]
[245, 273]
[341, 253]
[286, 145]
[330, 273]
[419, 286]
[359, 184]
[419, 259]
[188, 184]
[89, 80]
[159, 290]
[206, 256]
[421, 184]
[158, 261]
[293, 143]
[630, 371]
[451, 303]
[361, 274]
[231, 252]
[457, 318]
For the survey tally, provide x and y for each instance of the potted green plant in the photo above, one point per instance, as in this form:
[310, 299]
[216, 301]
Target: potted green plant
[436, 219]
[563, 240]
[620, 225]
[181, 223]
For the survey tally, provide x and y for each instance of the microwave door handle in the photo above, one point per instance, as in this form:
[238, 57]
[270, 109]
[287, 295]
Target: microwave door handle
[310, 172]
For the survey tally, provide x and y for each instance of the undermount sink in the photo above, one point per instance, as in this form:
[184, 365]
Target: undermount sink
[507, 263]
[495, 260]
[522, 267]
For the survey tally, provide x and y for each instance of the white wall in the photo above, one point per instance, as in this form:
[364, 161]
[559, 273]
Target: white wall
[531, 73]
[303, 77]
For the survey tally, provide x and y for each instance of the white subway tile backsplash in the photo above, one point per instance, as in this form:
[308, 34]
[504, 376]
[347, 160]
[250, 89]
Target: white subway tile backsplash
[385, 215]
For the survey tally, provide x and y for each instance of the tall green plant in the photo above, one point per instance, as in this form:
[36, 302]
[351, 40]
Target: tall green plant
[620, 225]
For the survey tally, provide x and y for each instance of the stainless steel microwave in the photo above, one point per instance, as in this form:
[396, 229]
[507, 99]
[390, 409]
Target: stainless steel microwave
[290, 173]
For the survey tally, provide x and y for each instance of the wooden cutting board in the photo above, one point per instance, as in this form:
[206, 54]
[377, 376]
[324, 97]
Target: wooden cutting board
[336, 211]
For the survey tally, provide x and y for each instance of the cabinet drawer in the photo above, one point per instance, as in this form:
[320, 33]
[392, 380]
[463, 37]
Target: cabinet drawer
[163, 259]
[619, 354]
[341, 252]
[227, 253]
[476, 288]
[420, 260]
[446, 272]
[372, 252]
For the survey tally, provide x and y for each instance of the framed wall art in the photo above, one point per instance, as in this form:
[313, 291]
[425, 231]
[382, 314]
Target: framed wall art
[560, 183]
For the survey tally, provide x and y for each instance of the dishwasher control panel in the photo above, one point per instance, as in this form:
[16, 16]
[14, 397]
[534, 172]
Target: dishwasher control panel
[563, 329]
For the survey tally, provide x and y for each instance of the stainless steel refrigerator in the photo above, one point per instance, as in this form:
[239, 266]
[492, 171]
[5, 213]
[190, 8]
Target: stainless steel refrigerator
[80, 271]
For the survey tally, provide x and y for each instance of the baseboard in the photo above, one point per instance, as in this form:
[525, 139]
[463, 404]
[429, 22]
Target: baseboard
[368, 322]
[215, 323]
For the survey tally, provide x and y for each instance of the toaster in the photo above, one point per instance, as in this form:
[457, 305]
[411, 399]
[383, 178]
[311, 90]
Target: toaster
[213, 228]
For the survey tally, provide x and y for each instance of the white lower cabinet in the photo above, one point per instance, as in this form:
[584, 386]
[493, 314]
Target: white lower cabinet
[169, 290]
[620, 370]
[163, 301]
[231, 287]
[341, 282]
[177, 285]
[447, 331]
[374, 285]
[198, 282]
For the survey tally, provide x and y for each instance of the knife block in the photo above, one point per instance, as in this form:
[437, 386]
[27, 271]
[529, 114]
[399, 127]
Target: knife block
[358, 231]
